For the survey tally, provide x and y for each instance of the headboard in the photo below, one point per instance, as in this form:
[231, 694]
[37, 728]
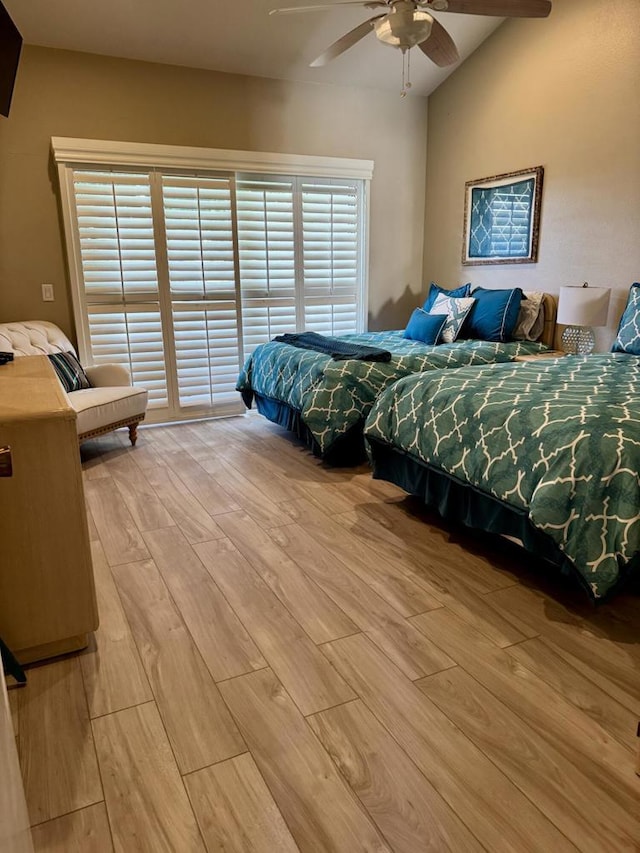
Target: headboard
[550, 305]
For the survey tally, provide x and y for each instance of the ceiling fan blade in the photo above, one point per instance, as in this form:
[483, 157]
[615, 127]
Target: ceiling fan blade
[439, 47]
[502, 8]
[369, 4]
[344, 43]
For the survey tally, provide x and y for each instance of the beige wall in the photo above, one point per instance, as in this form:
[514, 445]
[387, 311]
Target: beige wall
[61, 93]
[563, 93]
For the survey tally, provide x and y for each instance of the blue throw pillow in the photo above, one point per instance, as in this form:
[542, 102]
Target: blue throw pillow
[435, 291]
[425, 327]
[628, 337]
[494, 316]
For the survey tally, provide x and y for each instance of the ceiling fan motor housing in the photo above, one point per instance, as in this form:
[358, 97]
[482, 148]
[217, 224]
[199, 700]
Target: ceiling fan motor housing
[404, 26]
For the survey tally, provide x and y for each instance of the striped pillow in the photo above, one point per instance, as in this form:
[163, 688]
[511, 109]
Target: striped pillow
[70, 372]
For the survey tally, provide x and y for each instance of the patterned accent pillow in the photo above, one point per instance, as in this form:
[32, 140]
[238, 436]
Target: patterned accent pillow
[435, 290]
[528, 326]
[628, 337]
[456, 311]
[70, 372]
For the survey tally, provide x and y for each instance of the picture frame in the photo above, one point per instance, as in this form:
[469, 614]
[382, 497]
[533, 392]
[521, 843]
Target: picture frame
[502, 218]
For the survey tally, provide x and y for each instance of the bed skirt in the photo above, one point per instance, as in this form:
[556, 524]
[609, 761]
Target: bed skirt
[462, 503]
[348, 450]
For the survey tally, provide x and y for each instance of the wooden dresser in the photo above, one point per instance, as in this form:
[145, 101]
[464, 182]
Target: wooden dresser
[47, 594]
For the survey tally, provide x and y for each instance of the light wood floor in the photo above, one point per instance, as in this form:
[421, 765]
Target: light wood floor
[297, 658]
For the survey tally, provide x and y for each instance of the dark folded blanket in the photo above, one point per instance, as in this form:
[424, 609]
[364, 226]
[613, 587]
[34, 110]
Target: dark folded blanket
[337, 348]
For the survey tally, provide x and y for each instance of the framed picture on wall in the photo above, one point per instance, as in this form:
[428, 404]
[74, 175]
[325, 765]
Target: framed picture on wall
[502, 218]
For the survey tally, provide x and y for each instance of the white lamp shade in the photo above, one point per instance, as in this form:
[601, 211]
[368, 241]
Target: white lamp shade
[583, 306]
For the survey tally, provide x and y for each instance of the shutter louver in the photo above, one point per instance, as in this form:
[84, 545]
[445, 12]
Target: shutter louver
[117, 248]
[198, 219]
[331, 234]
[266, 243]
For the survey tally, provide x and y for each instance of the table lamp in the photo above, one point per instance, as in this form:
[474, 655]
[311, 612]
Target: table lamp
[580, 308]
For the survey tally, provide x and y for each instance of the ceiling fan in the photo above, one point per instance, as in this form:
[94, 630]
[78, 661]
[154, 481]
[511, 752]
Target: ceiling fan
[407, 23]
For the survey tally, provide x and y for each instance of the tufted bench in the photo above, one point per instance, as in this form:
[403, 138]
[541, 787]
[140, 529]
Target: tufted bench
[111, 403]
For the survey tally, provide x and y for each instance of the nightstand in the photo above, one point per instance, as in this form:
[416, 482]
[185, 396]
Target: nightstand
[538, 356]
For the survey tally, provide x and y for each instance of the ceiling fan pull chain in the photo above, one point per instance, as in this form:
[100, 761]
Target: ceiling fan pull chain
[406, 72]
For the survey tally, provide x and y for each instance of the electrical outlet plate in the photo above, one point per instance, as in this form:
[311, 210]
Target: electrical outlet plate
[47, 293]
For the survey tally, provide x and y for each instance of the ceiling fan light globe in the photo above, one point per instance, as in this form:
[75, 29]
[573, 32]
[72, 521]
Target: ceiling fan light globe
[404, 27]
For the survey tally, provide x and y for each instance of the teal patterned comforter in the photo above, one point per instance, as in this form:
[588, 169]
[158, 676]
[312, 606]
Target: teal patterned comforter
[334, 396]
[558, 438]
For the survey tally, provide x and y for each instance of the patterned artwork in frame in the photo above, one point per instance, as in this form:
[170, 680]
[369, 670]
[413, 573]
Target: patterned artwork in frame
[502, 218]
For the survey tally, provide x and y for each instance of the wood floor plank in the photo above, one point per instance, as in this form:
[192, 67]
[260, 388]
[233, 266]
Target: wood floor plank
[189, 515]
[201, 484]
[444, 586]
[608, 664]
[541, 657]
[262, 509]
[121, 539]
[145, 454]
[56, 748]
[401, 641]
[426, 539]
[320, 617]
[146, 508]
[491, 806]
[589, 818]
[235, 809]
[265, 473]
[321, 811]
[200, 728]
[394, 586]
[406, 808]
[146, 801]
[223, 642]
[298, 663]
[84, 831]
[111, 668]
[575, 735]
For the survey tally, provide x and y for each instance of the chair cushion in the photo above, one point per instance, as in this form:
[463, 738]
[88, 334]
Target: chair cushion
[70, 372]
[100, 407]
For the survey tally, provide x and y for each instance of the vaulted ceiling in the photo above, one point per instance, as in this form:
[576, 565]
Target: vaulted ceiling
[238, 37]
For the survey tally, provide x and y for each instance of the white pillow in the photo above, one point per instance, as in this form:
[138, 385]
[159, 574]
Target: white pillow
[456, 311]
[530, 322]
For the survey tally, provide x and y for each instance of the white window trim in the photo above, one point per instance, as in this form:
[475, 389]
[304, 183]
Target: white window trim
[145, 155]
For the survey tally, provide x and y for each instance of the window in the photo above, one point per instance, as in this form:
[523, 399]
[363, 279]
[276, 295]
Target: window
[180, 273]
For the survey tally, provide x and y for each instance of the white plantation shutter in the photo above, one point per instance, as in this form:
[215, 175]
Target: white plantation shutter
[117, 249]
[332, 251]
[301, 248]
[179, 274]
[267, 254]
[201, 259]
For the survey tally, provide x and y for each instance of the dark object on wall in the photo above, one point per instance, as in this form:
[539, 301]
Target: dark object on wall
[10, 47]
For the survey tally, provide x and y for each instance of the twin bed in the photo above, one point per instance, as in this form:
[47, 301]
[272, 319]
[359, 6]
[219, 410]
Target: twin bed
[545, 452]
[326, 402]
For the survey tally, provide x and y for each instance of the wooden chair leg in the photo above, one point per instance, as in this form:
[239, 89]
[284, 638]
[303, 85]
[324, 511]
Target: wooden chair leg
[133, 434]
